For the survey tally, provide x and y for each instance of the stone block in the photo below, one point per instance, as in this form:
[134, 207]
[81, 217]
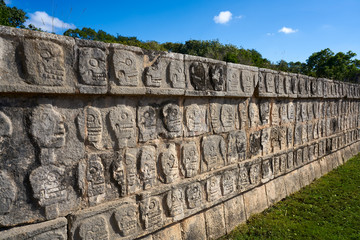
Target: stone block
[323, 166]
[170, 233]
[215, 222]
[234, 212]
[317, 169]
[275, 190]
[292, 182]
[255, 201]
[54, 229]
[194, 227]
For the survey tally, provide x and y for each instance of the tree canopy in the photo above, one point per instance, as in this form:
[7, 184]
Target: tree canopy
[11, 16]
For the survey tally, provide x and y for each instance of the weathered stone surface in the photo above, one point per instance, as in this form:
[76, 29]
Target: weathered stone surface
[214, 152]
[255, 201]
[215, 222]
[234, 213]
[54, 229]
[169, 233]
[190, 159]
[275, 190]
[194, 227]
[292, 182]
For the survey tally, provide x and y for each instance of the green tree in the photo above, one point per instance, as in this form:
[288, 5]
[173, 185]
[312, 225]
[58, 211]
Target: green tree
[11, 16]
[340, 66]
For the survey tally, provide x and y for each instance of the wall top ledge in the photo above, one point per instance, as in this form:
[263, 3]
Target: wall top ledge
[44, 63]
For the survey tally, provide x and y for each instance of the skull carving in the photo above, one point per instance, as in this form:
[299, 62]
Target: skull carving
[147, 123]
[95, 176]
[126, 219]
[123, 122]
[92, 66]
[151, 213]
[94, 228]
[190, 159]
[44, 63]
[169, 164]
[148, 166]
[197, 76]
[94, 126]
[213, 188]
[126, 68]
[175, 203]
[217, 78]
[153, 75]
[47, 127]
[177, 76]
[227, 117]
[172, 117]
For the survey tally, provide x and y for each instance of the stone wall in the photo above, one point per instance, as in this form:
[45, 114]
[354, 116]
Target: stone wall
[105, 141]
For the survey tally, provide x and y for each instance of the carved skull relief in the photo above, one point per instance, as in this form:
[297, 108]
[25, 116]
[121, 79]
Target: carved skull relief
[92, 66]
[47, 127]
[126, 68]
[123, 123]
[126, 219]
[172, 117]
[197, 76]
[44, 62]
[190, 159]
[177, 75]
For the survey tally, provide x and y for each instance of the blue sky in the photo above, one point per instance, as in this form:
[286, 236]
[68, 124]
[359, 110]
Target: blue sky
[291, 30]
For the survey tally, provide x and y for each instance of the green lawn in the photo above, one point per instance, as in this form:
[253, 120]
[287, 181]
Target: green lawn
[329, 208]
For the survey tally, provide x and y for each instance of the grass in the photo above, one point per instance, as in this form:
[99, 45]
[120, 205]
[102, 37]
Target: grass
[329, 208]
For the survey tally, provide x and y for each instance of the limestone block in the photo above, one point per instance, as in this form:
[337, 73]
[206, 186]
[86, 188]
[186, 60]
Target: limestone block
[194, 227]
[170, 163]
[265, 112]
[237, 145]
[214, 152]
[267, 172]
[255, 143]
[241, 80]
[114, 219]
[255, 201]
[323, 166]
[194, 195]
[196, 117]
[234, 213]
[54, 229]
[205, 76]
[175, 201]
[147, 121]
[304, 176]
[224, 116]
[275, 190]
[280, 163]
[303, 86]
[215, 222]
[127, 66]
[213, 190]
[172, 117]
[169, 233]
[254, 115]
[317, 169]
[190, 160]
[228, 182]
[292, 182]
[123, 125]
[267, 83]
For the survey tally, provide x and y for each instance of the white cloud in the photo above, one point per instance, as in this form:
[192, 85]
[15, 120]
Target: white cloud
[223, 17]
[47, 23]
[7, 2]
[287, 30]
[270, 34]
[239, 17]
